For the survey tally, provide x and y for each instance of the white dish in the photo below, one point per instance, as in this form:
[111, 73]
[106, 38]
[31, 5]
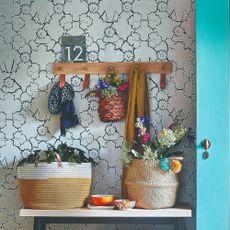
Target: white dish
[109, 207]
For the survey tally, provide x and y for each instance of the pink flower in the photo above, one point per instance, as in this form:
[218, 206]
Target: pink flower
[123, 87]
[146, 138]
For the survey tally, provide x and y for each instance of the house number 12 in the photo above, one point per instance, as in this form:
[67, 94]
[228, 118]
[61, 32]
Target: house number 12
[78, 51]
[73, 49]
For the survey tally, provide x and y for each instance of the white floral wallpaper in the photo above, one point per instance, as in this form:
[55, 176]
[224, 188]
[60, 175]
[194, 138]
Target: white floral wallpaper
[116, 30]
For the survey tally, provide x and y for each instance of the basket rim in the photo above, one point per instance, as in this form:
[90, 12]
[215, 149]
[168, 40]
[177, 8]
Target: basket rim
[55, 163]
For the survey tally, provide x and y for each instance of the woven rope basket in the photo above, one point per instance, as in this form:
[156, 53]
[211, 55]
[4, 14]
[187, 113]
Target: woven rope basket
[51, 187]
[112, 108]
[150, 186]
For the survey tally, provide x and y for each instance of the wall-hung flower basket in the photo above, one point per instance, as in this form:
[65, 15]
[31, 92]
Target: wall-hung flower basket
[112, 108]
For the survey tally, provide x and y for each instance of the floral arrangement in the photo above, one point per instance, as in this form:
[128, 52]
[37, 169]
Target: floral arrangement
[109, 85]
[159, 149]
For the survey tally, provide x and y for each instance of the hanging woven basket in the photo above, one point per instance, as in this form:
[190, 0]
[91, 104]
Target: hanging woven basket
[111, 108]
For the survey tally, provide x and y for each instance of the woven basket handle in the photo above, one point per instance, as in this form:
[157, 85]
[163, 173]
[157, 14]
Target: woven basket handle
[59, 162]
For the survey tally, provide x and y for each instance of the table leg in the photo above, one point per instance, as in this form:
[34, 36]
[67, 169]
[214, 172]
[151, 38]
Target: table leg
[176, 224]
[39, 224]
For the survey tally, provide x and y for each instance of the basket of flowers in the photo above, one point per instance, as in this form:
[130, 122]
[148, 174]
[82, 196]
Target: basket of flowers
[110, 90]
[151, 175]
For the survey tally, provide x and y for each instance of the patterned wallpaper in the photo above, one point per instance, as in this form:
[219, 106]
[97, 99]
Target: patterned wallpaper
[116, 30]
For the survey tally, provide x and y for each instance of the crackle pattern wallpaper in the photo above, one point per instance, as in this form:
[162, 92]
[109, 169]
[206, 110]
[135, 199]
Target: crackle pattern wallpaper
[115, 30]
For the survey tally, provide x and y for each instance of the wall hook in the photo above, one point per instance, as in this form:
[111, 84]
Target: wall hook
[62, 81]
[86, 81]
[163, 81]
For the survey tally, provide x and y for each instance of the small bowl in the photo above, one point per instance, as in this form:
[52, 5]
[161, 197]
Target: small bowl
[124, 204]
[102, 200]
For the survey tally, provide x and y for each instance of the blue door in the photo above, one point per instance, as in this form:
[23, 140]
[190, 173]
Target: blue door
[212, 23]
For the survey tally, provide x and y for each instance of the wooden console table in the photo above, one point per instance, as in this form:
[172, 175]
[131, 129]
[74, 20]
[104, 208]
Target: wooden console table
[88, 216]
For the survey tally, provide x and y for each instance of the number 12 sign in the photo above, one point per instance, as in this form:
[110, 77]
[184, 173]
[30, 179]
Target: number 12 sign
[73, 49]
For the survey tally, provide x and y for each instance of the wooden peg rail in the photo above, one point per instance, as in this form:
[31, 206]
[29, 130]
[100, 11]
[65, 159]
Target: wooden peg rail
[161, 68]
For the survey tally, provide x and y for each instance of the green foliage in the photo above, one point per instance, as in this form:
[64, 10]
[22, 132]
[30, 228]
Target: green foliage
[149, 154]
[66, 153]
[126, 153]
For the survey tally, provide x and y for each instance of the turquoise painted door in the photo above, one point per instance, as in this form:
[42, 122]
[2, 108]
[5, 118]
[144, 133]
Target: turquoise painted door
[212, 31]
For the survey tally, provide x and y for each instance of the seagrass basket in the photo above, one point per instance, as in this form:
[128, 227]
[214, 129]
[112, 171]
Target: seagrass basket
[150, 186]
[48, 186]
[111, 108]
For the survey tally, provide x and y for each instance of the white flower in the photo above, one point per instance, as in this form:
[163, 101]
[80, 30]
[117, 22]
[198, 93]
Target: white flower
[92, 56]
[126, 6]
[41, 33]
[162, 6]
[85, 21]
[154, 40]
[128, 55]
[42, 130]
[109, 32]
[153, 20]
[166, 138]
[135, 20]
[19, 138]
[25, 57]
[67, 22]
[162, 55]
[26, 9]
[58, 8]
[18, 23]
[93, 7]
[8, 82]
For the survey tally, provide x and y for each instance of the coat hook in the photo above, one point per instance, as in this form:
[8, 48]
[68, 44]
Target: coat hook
[163, 81]
[62, 81]
[86, 81]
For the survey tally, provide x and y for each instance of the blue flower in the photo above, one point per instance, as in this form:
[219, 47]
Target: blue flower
[102, 84]
[145, 121]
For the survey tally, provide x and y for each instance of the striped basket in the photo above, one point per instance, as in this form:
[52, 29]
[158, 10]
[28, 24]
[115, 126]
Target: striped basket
[111, 108]
[48, 186]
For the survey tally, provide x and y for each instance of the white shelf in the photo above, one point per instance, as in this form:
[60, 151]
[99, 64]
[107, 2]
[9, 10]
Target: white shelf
[179, 211]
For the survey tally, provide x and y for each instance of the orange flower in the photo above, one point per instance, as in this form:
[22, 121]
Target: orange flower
[176, 166]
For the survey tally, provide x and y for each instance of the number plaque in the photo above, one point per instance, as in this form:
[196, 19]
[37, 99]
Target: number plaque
[73, 49]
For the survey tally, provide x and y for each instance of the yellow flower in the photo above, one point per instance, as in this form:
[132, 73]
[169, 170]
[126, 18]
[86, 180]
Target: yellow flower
[116, 79]
[138, 123]
[175, 166]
